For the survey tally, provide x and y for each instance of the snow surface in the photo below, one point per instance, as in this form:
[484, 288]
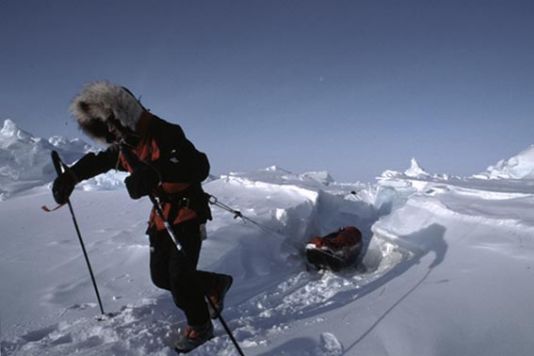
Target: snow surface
[25, 160]
[516, 167]
[447, 270]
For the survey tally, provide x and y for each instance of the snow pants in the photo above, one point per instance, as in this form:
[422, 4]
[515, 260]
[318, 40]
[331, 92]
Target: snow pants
[173, 271]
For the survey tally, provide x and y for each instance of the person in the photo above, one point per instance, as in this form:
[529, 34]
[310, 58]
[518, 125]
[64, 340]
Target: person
[172, 170]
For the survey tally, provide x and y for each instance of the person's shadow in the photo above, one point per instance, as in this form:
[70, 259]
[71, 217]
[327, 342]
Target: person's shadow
[420, 244]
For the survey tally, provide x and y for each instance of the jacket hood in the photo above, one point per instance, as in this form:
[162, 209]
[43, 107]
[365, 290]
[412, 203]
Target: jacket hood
[103, 101]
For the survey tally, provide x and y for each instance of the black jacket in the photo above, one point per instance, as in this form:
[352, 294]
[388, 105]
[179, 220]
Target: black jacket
[164, 147]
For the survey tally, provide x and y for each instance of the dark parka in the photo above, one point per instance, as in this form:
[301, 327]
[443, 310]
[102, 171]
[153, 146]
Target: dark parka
[180, 166]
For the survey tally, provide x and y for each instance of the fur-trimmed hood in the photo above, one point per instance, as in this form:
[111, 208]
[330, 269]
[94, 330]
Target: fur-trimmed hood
[98, 102]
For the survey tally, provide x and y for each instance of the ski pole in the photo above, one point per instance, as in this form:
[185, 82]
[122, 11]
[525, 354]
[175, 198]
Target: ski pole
[135, 163]
[60, 168]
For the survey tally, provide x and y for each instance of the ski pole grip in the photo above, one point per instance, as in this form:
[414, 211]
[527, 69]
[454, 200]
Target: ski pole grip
[129, 157]
[56, 160]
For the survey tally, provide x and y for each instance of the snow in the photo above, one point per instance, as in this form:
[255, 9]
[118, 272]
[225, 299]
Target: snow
[25, 159]
[415, 169]
[447, 268]
[520, 166]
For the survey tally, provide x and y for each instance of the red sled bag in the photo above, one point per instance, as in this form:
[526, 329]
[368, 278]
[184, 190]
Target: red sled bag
[336, 250]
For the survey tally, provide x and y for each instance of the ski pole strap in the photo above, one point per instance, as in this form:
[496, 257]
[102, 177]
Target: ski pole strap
[49, 210]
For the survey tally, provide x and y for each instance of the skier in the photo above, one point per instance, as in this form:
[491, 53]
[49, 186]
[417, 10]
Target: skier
[173, 170]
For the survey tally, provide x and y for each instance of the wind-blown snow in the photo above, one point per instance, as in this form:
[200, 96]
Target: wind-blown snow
[447, 268]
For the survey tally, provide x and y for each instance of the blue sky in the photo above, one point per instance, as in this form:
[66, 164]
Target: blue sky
[352, 87]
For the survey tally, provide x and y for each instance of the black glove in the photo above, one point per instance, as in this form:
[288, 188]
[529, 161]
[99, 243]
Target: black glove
[63, 187]
[141, 182]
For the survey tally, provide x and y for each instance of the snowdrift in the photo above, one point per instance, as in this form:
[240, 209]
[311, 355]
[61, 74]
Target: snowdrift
[520, 166]
[25, 160]
[446, 270]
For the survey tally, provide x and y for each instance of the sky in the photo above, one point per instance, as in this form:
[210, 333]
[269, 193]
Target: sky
[352, 87]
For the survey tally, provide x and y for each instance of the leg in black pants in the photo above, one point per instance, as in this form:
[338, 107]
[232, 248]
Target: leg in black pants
[177, 273]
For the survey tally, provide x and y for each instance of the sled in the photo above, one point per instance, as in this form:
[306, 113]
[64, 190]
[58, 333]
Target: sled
[337, 250]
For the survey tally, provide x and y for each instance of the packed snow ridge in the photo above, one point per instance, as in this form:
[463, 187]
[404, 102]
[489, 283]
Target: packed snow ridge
[447, 266]
[25, 161]
[517, 167]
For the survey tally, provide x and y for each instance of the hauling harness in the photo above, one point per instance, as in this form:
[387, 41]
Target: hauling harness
[237, 214]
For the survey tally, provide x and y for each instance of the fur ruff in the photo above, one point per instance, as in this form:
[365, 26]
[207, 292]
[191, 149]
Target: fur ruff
[100, 100]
